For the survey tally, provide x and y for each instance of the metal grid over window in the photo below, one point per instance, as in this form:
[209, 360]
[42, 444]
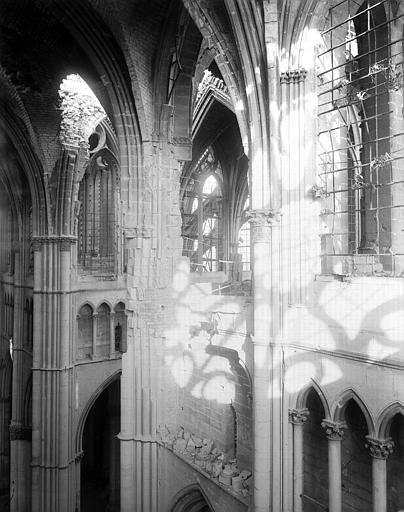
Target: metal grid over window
[361, 138]
[202, 216]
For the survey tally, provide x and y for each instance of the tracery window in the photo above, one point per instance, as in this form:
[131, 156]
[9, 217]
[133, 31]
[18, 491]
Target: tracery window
[202, 207]
[361, 138]
[98, 199]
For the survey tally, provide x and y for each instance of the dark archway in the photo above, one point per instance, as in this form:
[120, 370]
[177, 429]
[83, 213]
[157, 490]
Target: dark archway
[315, 456]
[356, 461]
[100, 467]
[191, 500]
[395, 465]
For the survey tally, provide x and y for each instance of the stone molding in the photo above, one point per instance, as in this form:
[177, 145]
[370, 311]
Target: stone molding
[334, 430]
[20, 433]
[139, 232]
[379, 448]
[65, 242]
[298, 416]
[293, 76]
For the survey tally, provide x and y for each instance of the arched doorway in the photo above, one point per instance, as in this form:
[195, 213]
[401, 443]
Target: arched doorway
[100, 466]
[191, 500]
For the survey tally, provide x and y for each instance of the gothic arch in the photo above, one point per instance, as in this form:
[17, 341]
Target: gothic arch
[339, 406]
[386, 418]
[229, 67]
[19, 135]
[15, 122]
[191, 498]
[82, 420]
[89, 304]
[301, 400]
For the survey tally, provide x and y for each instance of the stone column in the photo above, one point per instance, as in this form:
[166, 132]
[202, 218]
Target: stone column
[20, 434]
[53, 457]
[94, 349]
[334, 432]
[111, 334]
[379, 449]
[298, 418]
[267, 443]
[138, 439]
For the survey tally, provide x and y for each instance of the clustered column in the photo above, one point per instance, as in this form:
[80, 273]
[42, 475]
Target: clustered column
[265, 231]
[53, 382]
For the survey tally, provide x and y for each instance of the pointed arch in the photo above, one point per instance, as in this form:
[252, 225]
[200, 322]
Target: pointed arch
[301, 401]
[339, 406]
[82, 420]
[190, 497]
[386, 417]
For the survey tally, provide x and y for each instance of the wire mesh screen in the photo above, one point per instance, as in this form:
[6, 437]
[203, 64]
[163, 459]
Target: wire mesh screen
[361, 138]
[202, 226]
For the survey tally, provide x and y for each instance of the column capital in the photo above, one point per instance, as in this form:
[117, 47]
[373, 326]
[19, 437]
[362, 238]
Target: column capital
[264, 217]
[334, 430]
[293, 76]
[20, 432]
[262, 220]
[379, 448]
[298, 416]
[65, 242]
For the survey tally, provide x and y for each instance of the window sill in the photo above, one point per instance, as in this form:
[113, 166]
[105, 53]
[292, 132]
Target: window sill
[209, 277]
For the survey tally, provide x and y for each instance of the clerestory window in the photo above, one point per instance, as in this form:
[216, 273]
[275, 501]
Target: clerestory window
[361, 138]
[97, 216]
[202, 207]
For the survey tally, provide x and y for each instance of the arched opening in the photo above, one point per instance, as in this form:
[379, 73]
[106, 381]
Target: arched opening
[85, 319]
[103, 332]
[315, 457]
[191, 500]
[356, 461]
[395, 465]
[100, 467]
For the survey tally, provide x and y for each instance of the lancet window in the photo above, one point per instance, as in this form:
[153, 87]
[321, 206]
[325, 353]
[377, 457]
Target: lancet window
[97, 221]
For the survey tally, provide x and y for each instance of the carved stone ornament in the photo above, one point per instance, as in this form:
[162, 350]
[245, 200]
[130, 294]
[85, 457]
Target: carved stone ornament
[293, 76]
[79, 456]
[264, 217]
[261, 221]
[298, 416]
[65, 242]
[20, 433]
[379, 448]
[333, 430]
